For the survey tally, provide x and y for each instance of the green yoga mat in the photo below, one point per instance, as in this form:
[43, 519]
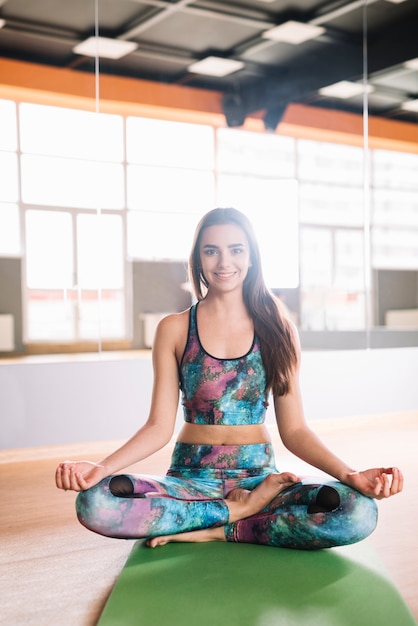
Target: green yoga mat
[229, 584]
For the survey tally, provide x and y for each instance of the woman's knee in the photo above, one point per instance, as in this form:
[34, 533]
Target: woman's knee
[99, 508]
[358, 511]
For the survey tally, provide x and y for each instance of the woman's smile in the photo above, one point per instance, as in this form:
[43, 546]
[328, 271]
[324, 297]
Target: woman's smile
[225, 275]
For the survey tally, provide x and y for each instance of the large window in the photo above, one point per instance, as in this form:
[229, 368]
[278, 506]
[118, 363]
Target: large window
[170, 183]
[72, 201]
[332, 238]
[84, 195]
[395, 210]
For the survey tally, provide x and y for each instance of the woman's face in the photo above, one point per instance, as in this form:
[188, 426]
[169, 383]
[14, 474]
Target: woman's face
[224, 256]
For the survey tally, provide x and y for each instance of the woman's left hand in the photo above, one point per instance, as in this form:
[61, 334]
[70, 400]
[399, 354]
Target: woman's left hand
[379, 482]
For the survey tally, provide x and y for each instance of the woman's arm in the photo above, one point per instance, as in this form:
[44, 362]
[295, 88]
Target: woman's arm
[159, 427]
[305, 444]
[300, 439]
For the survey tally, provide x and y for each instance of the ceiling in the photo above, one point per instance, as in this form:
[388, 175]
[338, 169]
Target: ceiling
[168, 36]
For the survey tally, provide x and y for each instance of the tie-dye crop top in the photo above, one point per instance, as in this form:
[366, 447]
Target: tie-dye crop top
[221, 391]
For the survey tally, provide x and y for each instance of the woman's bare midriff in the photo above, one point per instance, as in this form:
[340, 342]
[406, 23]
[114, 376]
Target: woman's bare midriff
[224, 435]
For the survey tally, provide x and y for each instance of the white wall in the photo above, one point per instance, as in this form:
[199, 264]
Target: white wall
[101, 397]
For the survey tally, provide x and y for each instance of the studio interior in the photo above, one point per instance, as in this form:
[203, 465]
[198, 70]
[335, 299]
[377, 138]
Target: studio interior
[122, 122]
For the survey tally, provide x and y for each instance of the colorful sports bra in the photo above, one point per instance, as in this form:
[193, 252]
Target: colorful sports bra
[221, 391]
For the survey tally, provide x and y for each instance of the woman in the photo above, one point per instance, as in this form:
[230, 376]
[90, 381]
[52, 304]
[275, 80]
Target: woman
[228, 353]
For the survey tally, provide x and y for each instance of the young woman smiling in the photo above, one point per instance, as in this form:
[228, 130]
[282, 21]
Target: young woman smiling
[230, 354]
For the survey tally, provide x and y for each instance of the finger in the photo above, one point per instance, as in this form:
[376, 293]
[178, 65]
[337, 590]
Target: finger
[397, 481]
[401, 480]
[386, 486]
[394, 487]
[58, 477]
[73, 479]
[63, 472]
[375, 487]
[82, 483]
[78, 482]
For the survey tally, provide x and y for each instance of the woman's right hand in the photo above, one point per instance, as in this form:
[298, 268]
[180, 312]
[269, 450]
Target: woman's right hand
[78, 475]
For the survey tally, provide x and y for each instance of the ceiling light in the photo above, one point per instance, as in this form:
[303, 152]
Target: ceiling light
[293, 32]
[395, 1]
[104, 47]
[412, 64]
[410, 105]
[215, 66]
[2, 23]
[345, 89]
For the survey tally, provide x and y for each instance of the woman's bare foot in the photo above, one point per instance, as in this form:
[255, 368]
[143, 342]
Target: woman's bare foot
[194, 536]
[243, 503]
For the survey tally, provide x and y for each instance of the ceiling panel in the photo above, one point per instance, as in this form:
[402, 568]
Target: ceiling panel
[77, 15]
[197, 33]
[172, 34]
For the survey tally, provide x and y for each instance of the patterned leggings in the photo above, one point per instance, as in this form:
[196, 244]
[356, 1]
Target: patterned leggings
[191, 496]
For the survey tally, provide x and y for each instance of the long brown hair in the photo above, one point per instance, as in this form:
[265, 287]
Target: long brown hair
[271, 325]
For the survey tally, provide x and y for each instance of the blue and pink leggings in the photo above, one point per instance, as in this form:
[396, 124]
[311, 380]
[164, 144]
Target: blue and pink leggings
[191, 497]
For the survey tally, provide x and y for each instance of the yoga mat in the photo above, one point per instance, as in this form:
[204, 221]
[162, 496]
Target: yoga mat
[230, 584]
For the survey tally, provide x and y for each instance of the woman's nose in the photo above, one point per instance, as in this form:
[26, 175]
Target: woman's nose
[223, 260]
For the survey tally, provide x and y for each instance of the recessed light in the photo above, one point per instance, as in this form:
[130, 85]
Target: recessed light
[395, 1]
[215, 66]
[104, 47]
[412, 64]
[345, 89]
[293, 32]
[410, 105]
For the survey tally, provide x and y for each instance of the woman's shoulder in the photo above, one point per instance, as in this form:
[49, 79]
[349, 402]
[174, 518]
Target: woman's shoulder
[172, 333]
[174, 326]
[175, 320]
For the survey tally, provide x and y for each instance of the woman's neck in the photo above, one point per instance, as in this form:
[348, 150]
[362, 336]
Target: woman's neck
[225, 305]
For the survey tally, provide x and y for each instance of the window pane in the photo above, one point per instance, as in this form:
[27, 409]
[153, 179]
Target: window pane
[9, 190]
[161, 142]
[332, 205]
[71, 315]
[72, 183]
[395, 248]
[9, 230]
[51, 315]
[395, 169]
[49, 251]
[316, 257]
[395, 208]
[101, 315]
[349, 260]
[8, 125]
[100, 252]
[170, 190]
[330, 162]
[271, 206]
[255, 153]
[160, 236]
[57, 131]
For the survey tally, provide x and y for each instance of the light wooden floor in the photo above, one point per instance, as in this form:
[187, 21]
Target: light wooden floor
[54, 572]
